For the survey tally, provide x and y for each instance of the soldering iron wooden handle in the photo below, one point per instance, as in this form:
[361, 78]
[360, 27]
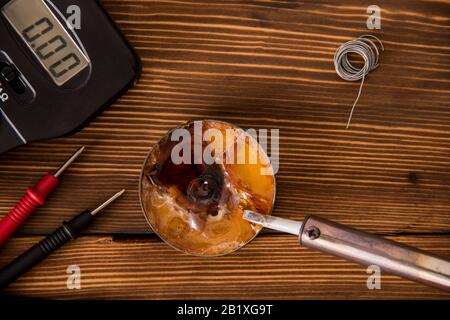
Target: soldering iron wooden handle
[367, 249]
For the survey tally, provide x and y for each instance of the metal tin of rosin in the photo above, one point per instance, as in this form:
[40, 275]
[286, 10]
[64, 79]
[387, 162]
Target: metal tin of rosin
[196, 183]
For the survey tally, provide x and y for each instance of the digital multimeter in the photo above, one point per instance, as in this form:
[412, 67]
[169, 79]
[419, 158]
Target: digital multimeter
[55, 77]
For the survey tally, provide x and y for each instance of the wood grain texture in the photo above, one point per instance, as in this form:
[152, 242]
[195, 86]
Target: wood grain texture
[271, 267]
[268, 64]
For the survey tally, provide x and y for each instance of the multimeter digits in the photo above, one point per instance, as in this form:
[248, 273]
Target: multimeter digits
[46, 49]
[47, 39]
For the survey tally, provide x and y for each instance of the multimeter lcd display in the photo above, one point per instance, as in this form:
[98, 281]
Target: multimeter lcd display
[47, 39]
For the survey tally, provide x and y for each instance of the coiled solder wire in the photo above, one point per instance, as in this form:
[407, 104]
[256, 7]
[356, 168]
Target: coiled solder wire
[368, 50]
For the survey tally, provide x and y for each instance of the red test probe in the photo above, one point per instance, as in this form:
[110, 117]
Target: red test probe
[34, 198]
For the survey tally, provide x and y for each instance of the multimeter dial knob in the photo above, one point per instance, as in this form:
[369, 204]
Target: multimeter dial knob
[7, 73]
[11, 77]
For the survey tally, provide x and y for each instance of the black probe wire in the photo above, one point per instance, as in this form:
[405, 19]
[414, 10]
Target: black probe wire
[67, 232]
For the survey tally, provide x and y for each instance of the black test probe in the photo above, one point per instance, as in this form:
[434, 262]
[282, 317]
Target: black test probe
[68, 231]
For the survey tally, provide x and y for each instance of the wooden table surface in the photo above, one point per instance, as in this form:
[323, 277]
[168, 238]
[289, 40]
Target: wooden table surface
[258, 64]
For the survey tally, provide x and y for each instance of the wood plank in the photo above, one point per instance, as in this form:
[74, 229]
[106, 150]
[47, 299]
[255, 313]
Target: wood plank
[258, 64]
[268, 64]
[271, 267]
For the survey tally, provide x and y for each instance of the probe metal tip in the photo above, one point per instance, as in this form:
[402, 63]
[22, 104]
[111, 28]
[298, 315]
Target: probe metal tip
[69, 162]
[108, 202]
[274, 223]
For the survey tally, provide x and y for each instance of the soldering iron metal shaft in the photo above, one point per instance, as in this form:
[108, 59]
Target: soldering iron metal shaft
[361, 247]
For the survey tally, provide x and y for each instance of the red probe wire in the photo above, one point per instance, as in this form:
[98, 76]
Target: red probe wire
[34, 198]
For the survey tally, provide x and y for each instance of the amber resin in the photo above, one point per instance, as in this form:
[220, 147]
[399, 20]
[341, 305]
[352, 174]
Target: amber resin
[197, 206]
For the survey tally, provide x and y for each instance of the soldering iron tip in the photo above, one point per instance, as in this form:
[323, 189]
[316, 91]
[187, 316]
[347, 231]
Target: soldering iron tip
[69, 162]
[108, 202]
[254, 217]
